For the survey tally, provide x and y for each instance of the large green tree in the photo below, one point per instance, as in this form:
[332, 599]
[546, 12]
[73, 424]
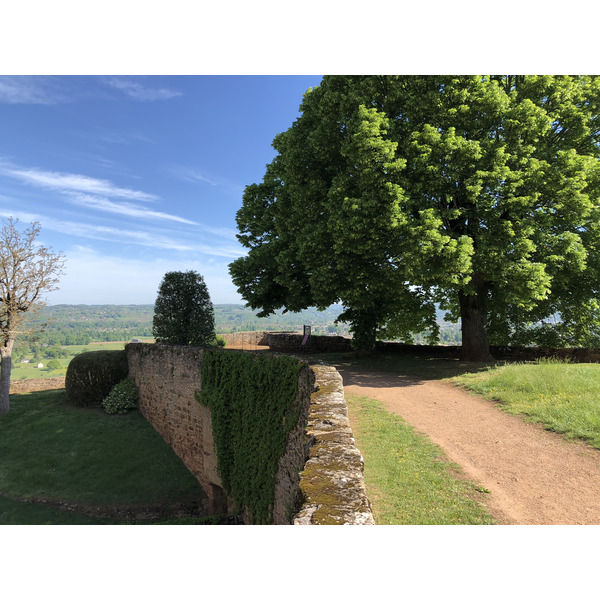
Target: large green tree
[394, 194]
[183, 311]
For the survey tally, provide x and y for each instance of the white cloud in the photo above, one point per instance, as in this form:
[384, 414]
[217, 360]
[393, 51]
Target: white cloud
[137, 91]
[125, 208]
[69, 182]
[191, 175]
[123, 237]
[224, 232]
[111, 137]
[29, 90]
[115, 234]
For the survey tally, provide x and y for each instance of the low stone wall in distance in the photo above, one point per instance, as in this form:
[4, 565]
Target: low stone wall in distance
[292, 342]
[245, 338]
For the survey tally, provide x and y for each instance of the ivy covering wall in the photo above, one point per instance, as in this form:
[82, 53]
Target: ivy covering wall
[253, 400]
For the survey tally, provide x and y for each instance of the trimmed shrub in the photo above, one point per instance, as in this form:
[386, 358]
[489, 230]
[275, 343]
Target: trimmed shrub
[183, 312]
[122, 398]
[92, 375]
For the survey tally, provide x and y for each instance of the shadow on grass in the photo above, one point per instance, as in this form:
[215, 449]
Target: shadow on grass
[72, 465]
[405, 369]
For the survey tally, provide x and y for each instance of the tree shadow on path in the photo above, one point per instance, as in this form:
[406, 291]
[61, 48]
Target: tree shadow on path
[397, 370]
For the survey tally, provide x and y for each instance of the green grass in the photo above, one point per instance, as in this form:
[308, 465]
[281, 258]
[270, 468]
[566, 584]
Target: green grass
[564, 397]
[407, 480]
[14, 512]
[58, 453]
[22, 371]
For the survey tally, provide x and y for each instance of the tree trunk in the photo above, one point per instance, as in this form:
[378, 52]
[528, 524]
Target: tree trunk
[5, 369]
[473, 314]
[364, 332]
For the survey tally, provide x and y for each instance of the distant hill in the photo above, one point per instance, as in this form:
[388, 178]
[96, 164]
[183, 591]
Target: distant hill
[80, 324]
[74, 324]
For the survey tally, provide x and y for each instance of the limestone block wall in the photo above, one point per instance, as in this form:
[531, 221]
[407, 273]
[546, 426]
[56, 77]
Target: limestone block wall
[332, 482]
[167, 378]
[245, 338]
[321, 470]
[292, 342]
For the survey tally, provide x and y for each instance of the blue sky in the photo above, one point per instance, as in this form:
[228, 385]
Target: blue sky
[134, 176]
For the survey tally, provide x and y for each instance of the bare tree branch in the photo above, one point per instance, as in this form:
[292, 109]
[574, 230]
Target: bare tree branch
[27, 272]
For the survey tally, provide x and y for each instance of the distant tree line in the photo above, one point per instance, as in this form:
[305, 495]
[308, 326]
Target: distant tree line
[79, 325]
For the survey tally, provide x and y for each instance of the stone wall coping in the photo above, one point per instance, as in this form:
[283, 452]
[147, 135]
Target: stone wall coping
[332, 482]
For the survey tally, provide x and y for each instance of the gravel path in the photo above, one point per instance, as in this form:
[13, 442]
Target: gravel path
[535, 477]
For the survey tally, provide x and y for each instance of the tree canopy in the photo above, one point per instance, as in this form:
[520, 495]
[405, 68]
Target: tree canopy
[394, 194]
[27, 271]
[183, 312]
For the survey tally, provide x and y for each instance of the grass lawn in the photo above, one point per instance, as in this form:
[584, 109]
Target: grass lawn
[58, 453]
[22, 371]
[564, 397]
[407, 481]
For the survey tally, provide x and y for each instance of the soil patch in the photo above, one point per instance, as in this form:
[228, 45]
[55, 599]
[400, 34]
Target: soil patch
[22, 386]
[535, 477]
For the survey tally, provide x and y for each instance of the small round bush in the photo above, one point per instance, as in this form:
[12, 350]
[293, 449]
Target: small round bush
[92, 375]
[122, 398]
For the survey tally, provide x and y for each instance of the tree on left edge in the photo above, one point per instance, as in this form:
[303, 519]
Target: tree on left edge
[28, 270]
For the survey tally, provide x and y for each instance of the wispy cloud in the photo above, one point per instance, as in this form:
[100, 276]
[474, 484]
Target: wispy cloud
[25, 89]
[137, 91]
[69, 182]
[198, 176]
[224, 232]
[111, 137]
[123, 208]
[121, 236]
[191, 175]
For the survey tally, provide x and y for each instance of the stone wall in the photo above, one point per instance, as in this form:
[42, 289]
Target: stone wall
[292, 342]
[167, 378]
[321, 470]
[245, 338]
[515, 353]
[332, 482]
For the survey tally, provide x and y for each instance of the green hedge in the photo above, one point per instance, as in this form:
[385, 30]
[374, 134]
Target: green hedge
[253, 404]
[92, 375]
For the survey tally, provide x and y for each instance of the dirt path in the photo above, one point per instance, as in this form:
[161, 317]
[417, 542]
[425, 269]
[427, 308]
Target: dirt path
[535, 476]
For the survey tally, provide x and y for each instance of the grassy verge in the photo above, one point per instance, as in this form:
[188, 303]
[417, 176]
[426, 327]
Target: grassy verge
[407, 480]
[56, 453]
[564, 397]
